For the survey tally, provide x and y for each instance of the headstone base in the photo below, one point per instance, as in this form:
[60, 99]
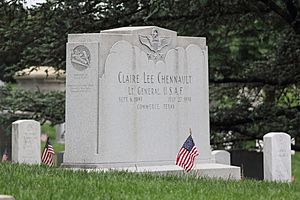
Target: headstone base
[209, 170]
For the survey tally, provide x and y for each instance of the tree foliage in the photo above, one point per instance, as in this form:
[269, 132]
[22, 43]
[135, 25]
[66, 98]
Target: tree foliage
[18, 104]
[254, 51]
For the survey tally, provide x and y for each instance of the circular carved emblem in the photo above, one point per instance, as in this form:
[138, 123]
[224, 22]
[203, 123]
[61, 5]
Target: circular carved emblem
[80, 57]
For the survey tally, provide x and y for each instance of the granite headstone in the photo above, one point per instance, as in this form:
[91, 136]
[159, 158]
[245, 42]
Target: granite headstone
[221, 157]
[277, 157]
[26, 142]
[132, 94]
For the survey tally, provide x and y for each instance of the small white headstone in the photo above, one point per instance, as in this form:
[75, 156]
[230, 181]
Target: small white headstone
[60, 133]
[221, 157]
[277, 157]
[26, 142]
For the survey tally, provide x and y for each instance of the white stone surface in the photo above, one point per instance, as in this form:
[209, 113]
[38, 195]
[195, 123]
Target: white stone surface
[26, 142]
[277, 157]
[209, 170]
[112, 118]
[6, 197]
[60, 133]
[82, 104]
[221, 157]
[124, 106]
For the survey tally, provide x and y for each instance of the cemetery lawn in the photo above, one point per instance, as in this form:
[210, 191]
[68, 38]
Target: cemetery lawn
[41, 182]
[296, 167]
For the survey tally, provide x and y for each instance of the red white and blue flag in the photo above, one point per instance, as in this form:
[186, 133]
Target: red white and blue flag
[187, 154]
[48, 154]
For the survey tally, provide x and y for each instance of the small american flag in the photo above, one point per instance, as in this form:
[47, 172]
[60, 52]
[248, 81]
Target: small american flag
[187, 154]
[5, 156]
[48, 154]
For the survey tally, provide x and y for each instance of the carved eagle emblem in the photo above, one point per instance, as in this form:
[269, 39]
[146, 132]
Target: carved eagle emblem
[154, 42]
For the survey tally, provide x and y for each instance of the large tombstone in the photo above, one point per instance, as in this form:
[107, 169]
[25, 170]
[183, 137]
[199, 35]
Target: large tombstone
[132, 95]
[277, 157]
[26, 142]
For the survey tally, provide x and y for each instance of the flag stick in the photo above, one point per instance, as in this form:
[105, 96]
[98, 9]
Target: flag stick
[193, 169]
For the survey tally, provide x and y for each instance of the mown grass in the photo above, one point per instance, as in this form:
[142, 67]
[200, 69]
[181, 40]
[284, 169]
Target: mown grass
[40, 182]
[296, 167]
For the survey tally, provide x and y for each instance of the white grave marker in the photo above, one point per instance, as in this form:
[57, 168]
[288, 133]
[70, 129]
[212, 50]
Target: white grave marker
[277, 157]
[26, 142]
[221, 157]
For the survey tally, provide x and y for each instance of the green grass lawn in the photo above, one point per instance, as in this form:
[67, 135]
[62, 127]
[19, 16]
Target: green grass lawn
[296, 167]
[40, 182]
